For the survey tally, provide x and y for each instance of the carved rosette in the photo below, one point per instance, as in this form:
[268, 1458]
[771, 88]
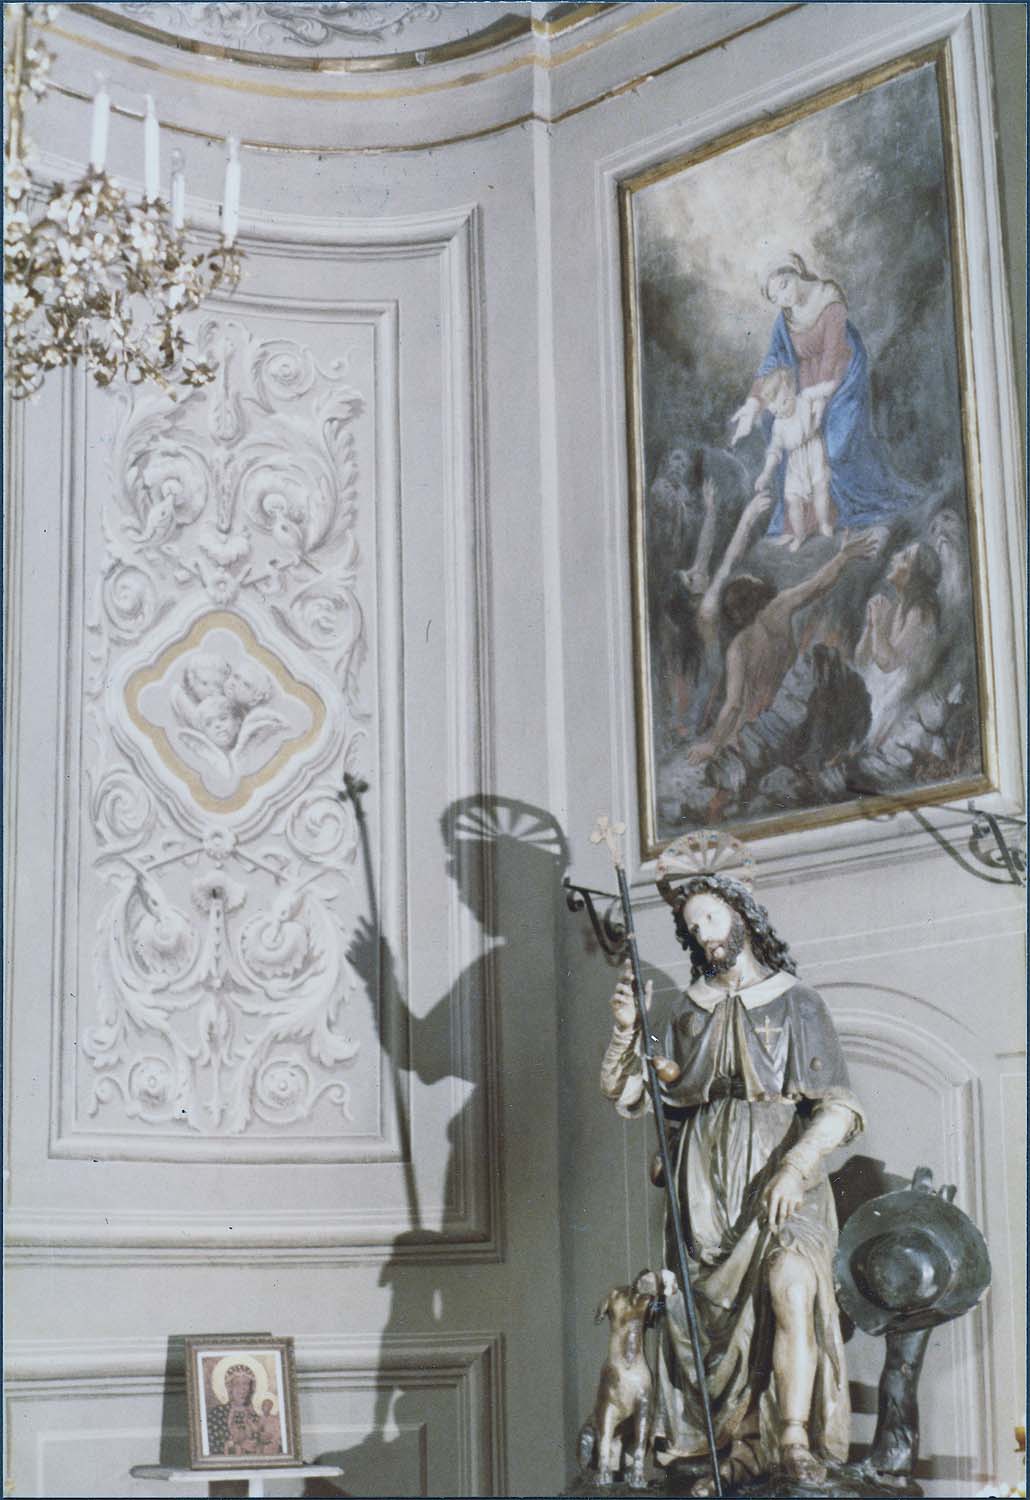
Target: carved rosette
[225, 695]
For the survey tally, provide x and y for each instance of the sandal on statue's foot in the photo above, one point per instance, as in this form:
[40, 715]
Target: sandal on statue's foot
[739, 1466]
[798, 1461]
[705, 1486]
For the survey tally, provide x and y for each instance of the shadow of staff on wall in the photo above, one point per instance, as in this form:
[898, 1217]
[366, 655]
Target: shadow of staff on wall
[507, 859]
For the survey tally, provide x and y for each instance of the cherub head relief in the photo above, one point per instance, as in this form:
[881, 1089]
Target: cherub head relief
[217, 695]
[220, 717]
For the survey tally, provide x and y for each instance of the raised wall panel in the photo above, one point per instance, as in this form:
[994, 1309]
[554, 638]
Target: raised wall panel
[223, 662]
[265, 584]
[401, 1416]
[1012, 1087]
[904, 1071]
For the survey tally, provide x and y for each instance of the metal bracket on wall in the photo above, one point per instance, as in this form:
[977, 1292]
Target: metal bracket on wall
[608, 930]
[999, 854]
[988, 845]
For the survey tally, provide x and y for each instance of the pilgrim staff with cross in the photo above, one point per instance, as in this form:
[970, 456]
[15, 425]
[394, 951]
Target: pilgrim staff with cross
[753, 1069]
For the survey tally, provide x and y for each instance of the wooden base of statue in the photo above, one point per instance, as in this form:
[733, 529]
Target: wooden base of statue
[844, 1482]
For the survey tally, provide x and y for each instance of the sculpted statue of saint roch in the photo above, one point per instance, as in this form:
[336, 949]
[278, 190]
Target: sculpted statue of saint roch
[756, 1090]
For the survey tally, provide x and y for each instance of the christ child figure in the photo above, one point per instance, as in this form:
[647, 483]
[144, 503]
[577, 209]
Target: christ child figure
[796, 436]
[268, 1429]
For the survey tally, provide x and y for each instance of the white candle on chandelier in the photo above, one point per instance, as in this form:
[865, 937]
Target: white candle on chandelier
[178, 194]
[101, 120]
[151, 154]
[231, 208]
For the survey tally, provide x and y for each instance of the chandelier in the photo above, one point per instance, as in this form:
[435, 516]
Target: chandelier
[91, 277]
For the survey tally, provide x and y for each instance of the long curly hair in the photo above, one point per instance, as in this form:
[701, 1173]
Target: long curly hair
[920, 589]
[769, 949]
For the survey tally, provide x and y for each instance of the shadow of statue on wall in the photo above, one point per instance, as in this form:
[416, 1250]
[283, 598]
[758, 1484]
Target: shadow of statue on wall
[174, 1449]
[507, 859]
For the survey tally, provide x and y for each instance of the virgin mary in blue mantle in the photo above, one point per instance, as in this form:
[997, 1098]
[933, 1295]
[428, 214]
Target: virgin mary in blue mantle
[814, 339]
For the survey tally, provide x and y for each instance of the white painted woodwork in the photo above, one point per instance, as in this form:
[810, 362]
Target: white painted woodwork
[429, 341]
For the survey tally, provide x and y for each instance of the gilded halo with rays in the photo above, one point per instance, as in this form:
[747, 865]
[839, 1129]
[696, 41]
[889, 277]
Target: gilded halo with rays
[706, 851]
[262, 1390]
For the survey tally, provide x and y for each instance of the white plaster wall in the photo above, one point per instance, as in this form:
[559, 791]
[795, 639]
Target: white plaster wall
[415, 1353]
[495, 260]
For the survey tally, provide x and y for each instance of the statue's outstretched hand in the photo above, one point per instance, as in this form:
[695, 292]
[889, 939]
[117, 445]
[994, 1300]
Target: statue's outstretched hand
[624, 1002]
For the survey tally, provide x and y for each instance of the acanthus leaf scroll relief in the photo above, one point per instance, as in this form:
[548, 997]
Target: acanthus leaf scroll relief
[224, 698]
[293, 24]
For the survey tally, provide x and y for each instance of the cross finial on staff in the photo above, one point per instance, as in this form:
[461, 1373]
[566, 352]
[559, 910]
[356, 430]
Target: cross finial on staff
[607, 832]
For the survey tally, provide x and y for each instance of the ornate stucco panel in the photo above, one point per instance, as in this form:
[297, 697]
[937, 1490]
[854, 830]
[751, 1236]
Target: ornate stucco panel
[228, 681]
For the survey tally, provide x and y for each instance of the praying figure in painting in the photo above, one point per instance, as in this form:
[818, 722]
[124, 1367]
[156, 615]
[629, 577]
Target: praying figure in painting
[899, 646]
[757, 1095]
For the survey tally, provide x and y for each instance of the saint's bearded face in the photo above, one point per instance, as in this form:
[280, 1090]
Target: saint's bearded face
[717, 929]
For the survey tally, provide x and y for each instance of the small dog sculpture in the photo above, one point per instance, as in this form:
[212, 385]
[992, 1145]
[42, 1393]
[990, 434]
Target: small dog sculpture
[624, 1409]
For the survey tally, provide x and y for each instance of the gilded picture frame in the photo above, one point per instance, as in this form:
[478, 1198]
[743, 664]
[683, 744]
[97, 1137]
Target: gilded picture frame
[810, 638]
[241, 1399]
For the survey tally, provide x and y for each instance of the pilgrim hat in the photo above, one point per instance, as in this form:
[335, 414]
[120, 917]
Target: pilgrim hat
[910, 1260]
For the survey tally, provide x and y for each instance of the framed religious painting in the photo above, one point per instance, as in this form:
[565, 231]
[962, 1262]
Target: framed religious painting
[242, 1401]
[810, 637]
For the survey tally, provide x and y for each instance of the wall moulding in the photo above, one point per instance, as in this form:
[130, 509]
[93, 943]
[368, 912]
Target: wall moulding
[14, 595]
[927, 836]
[216, 673]
[198, 571]
[972, 926]
[466, 1367]
[617, 48]
[432, 1358]
[922, 1061]
[46, 1237]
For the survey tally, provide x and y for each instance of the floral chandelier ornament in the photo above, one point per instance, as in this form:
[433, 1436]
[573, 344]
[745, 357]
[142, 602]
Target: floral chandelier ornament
[97, 279]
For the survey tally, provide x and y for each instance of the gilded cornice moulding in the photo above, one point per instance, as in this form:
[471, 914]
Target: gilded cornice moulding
[319, 28]
[644, 16]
